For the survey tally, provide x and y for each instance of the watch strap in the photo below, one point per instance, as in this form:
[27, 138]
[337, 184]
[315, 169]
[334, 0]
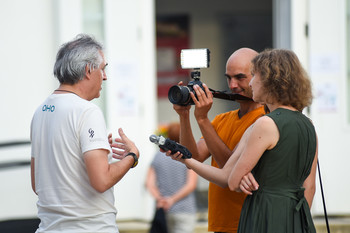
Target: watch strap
[135, 159]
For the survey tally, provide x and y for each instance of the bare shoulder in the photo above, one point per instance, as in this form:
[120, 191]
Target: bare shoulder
[265, 123]
[266, 129]
[262, 124]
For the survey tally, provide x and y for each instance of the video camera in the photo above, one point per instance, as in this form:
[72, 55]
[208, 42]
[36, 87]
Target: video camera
[196, 59]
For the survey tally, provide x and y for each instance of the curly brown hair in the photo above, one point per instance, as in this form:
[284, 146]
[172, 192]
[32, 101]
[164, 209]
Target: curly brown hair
[283, 78]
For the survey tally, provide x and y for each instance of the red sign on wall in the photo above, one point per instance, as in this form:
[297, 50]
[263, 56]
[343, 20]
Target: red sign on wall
[172, 36]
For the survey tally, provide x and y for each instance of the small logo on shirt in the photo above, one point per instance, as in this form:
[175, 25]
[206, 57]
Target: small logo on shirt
[48, 108]
[91, 132]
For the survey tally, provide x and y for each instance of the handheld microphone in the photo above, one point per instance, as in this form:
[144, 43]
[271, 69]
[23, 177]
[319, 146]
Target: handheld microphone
[167, 144]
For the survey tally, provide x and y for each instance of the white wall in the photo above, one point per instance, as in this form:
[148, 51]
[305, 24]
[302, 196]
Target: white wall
[327, 68]
[26, 63]
[27, 56]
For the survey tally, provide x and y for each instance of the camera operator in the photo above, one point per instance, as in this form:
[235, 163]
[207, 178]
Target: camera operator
[221, 136]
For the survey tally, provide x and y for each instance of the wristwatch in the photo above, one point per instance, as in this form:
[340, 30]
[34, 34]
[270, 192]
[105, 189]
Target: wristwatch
[135, 159]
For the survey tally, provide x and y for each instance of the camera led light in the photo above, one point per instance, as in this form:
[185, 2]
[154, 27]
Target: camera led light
[194, 58]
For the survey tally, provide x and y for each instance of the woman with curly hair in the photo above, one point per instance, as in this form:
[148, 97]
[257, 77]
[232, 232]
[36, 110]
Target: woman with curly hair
[275, 161]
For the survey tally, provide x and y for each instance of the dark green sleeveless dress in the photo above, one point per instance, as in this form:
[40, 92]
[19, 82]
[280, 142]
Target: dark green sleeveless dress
[279, 205]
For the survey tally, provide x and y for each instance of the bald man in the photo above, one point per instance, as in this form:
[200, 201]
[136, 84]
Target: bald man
[221, 136]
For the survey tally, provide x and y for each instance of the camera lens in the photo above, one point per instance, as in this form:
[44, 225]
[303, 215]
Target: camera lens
[179, 95]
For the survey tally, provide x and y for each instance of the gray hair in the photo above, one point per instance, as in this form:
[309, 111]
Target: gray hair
[73, 57]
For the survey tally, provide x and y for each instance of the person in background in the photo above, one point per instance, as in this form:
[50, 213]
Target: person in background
[280, 150]
[70, 158]
[221, 136]
[173, 185]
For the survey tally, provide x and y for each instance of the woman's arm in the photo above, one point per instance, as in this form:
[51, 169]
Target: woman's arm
[310, 182]
[260, 136]
[263, 135]
[210, 173]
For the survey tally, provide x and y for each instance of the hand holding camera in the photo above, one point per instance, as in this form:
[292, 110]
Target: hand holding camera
[196, 59]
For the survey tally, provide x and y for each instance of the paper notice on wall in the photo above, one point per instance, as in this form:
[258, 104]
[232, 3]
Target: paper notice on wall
[325, 63]
[326, 97]
[125, 88]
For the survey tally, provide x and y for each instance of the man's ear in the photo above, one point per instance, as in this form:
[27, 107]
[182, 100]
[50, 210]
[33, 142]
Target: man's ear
[87, 72]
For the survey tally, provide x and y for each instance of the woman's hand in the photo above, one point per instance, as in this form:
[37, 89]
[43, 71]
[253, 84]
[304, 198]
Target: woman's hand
[248, 184]
[175, 156]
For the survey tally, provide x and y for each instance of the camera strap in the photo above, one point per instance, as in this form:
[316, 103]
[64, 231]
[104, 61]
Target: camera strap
[323, 200]
[228, 96]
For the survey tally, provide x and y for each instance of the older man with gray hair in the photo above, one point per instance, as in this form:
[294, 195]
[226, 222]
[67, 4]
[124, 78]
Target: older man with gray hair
[70, 166]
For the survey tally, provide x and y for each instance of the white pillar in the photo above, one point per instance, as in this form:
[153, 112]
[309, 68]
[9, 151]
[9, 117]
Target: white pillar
[131, 88]
[299, 30]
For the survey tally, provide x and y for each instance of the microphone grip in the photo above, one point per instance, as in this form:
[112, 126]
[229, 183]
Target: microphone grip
[175, 147]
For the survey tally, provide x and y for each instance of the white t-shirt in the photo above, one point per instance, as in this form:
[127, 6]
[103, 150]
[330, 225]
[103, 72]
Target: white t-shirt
[63, 128]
